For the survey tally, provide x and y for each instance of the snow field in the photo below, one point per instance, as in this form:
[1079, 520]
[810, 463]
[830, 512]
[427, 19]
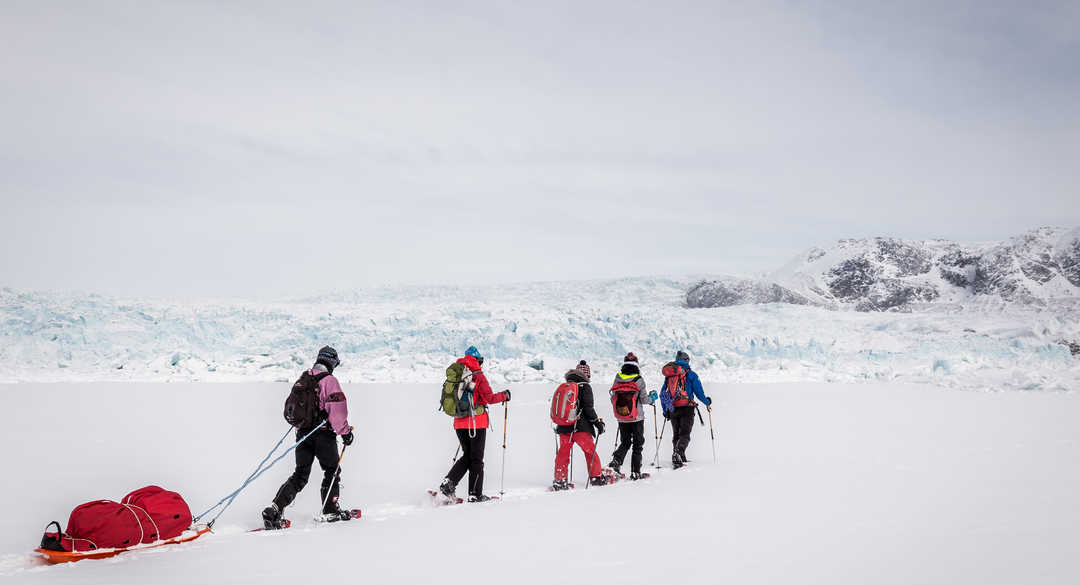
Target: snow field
[816, 483]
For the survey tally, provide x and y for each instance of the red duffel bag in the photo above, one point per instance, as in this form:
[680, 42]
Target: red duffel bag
[168, 511]
[144, 516]
[101, 524]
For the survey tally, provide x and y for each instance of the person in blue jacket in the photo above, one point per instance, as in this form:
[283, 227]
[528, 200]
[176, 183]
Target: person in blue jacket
[679, 407]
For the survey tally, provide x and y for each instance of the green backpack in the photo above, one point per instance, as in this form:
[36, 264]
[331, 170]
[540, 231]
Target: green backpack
[457, 392]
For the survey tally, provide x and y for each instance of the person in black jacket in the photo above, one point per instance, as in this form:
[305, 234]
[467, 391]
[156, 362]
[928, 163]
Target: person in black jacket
[588, 425]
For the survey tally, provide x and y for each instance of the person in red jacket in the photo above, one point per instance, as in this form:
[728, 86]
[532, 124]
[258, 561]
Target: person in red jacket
[582, 433]
[472, 433]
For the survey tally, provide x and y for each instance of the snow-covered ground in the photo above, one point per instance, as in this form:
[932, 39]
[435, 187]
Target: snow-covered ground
[815, 483]
[86, 337]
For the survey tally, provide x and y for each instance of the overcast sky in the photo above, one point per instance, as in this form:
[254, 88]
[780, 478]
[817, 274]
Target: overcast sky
[263, 149]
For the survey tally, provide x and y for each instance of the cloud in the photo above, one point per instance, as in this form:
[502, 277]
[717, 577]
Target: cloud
[203, 143]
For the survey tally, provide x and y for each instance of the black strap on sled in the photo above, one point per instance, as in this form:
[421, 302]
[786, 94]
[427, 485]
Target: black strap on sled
[50, 543]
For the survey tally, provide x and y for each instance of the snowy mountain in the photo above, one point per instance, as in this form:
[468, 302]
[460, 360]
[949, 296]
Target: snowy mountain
[1039, 268]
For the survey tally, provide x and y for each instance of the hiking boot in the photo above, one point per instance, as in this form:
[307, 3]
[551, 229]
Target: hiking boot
[600, 480]
[447, 488]
[479, 499]
[333, 513]
[635, 475]
[614, 466]
[560, 485]
[272, 518]
[676, 462]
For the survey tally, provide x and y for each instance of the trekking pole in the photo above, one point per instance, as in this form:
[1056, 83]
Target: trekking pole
[698, 411]
[655, 432]
[656, 459]
[456, 451]
[336, 473]
[502, 472]
[712, 436]
[337, 470]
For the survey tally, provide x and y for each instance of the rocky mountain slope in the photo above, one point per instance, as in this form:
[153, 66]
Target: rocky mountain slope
[1039, 268]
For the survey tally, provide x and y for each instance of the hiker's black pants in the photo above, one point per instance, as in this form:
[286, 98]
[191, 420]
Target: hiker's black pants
[322, 446]
[631, 434]
[471, 460]
[682, 421]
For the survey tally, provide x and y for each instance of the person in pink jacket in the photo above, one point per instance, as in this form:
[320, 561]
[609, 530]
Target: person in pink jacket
[322, 445]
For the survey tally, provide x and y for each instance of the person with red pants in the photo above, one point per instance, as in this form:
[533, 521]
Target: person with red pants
[472, 433]
[588, 426]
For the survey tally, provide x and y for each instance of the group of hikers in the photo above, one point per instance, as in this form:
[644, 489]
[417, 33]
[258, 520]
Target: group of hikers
[318, 409]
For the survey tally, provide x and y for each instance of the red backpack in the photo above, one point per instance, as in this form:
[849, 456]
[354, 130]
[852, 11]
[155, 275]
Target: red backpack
[675, 380]
[564, 404]
[624, 400]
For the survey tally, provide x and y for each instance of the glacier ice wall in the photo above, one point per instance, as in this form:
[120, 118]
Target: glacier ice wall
[410, 334]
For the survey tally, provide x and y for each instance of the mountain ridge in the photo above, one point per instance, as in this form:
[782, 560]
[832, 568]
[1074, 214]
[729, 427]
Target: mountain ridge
[1037, 268]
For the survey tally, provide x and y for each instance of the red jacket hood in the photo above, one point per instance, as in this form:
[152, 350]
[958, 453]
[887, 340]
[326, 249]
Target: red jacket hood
[470, 362]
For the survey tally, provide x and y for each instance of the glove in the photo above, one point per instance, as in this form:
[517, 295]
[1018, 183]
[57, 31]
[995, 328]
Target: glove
[708, 401]
[599, 424]
[667, 415]
[653, 395]
[507, 392]
[347, 438]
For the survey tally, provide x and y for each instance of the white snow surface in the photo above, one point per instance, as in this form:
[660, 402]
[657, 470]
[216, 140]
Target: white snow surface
[410, 334]
[879, 483]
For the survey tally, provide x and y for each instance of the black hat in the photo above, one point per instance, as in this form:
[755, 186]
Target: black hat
[682, 356]
[328, 357]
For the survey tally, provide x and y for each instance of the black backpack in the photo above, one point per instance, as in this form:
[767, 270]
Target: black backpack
[302, 406]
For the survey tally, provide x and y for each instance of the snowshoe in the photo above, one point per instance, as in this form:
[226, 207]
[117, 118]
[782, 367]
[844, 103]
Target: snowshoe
[448, 488]
[601, 479]
[481, 499]
[272, 519]
[282, 525]
[613, 473]
[560, 485]
[636, 475]
[441, 499]
[338, 515]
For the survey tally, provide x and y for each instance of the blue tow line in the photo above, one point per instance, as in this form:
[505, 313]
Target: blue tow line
[259, 470]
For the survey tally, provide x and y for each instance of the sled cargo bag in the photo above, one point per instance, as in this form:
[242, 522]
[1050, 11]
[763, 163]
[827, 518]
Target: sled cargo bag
[96, 525]
[168, 513]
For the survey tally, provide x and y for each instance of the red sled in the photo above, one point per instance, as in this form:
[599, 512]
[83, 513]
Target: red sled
[145, 518]
[61, 556]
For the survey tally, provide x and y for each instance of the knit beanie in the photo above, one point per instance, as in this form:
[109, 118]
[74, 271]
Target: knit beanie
[585, 370]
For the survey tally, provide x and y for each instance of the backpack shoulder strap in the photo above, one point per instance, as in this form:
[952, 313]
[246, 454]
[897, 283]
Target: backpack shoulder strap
[319, 377]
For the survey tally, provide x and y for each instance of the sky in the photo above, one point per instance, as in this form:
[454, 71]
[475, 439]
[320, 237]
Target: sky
[267, 149]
